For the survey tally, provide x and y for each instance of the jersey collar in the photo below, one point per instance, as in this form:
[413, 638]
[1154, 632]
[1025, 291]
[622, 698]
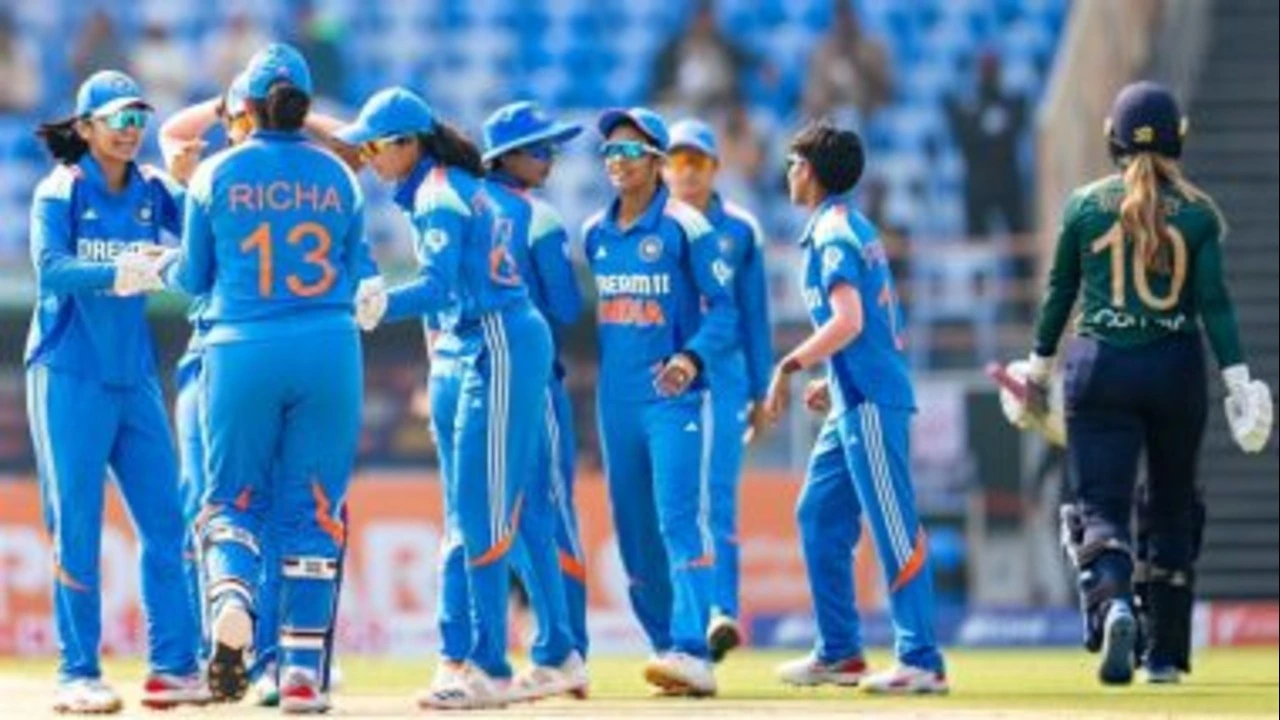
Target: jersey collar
[506, 180]
[827, 203]
[408, 187]
[715, 213]
[278, 135]
[93, 173]
[648, 221]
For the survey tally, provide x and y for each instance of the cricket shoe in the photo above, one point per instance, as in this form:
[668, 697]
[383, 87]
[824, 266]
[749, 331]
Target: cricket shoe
[1119, 634]
[722, 636]
[810, 671]
[86, 696]
[470, 689]
[907, 680]
[161, 691]
[266, 688]
[542, 681]
[1163, 675]
[681, 674]
[300, 693]
[232, 631]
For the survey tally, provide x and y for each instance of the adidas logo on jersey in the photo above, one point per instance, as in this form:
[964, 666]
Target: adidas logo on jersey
[691, 427]
[89, 214]
[600, 253]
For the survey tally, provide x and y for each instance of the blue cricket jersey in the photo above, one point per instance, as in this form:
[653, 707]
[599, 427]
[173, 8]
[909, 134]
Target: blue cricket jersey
[653, 280]
[78, 227]
[842, 246]
[536, 236]
[750, 362]
[274, 234]
[465, 271]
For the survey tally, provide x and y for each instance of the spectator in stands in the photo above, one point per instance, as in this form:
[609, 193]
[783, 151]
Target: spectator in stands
[988, 129]
[318, 39]
[848, 69]
[231, 47]
[162, 67]
[741, 156]
[19, 73]
[97, 47]
[700, 69]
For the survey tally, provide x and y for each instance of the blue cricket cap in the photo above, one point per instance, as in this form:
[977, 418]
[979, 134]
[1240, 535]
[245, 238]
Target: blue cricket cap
[650, 124]
[696, 135]
[1146, 118]
[520, 124]
[107, 91]
[275, 63]
[393, 112]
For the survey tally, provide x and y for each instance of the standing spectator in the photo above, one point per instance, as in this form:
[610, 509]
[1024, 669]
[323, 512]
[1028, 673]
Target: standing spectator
[20, 81]
[741, 155]
[97, 47]
[700, 69]
[988, 129]
[848, 69]
[162, 67]
[231, 47]
[318, 41]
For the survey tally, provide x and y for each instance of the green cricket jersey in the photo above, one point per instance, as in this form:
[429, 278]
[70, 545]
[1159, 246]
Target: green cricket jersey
[1125, 303]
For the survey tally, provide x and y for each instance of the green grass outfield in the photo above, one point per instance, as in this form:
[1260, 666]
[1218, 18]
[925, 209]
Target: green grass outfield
[986, 683]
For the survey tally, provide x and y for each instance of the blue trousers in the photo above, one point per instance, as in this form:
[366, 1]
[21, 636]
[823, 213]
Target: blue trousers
[560, 460]
[79, 429]
[281, 425]
[729, 403]
[501, 398]
[657, 461]
[860, 468]
[453, 601]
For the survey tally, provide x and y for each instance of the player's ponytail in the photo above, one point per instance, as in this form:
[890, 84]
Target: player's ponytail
[450, 147]
[1142, 211]
[285, 108]
[63, 140]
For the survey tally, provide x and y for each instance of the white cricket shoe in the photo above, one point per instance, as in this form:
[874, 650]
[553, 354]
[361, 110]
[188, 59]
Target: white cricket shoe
[300, 693]
[541, 681]
[267, 687]
[681, 674]
[161, 691]
[86, 696]
[232, 631]
[470, 689]
[809, 671]
[907, 680]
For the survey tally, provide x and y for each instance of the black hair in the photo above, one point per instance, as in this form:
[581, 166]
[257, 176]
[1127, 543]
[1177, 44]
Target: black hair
[62, 140]
[449, 146]
[285, 108]
[835, 155]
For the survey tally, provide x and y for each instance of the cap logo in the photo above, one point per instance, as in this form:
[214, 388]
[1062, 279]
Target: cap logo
[1144, 134]
[120, 83]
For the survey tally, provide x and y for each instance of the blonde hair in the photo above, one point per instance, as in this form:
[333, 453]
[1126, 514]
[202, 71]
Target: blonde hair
[1141, 209]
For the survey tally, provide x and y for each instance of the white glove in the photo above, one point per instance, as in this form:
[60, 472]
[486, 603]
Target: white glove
[1050, 419]
[371, 303]
[1249, 409]
[137, 273]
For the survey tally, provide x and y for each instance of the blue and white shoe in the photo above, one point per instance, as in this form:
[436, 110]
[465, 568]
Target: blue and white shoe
[1163, 675]
[1119, 633]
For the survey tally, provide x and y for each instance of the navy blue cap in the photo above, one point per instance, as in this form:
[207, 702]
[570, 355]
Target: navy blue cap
[107, 91]
[697, 135]
[275, 63]
[520, 124]
[393, 112]
[1146, 118]
[650, 124]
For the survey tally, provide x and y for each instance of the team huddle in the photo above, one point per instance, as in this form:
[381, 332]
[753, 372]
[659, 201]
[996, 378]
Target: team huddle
[274, 257]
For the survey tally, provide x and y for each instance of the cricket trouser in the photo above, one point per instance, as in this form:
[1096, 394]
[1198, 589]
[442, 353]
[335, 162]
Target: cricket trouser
[729, 403]
[562, 449]
[860, 468]
[284, 440]
[505, 367]
[453, 604]
[79, 428]
[657, 458]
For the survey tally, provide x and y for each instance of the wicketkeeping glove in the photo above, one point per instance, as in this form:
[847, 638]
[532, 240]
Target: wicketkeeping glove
[1250, 412]
[371, 303]
[136, 273]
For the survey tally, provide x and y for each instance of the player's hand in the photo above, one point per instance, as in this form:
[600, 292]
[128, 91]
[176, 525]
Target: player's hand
[371, 303]
[137, 272]
[817, 396]
[757, 422]
[184, 162]
[1249, 409]
[676, 375]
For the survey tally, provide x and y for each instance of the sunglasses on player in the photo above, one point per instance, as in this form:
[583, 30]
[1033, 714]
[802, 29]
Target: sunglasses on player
[125, 119]
[626, 150]
[372, 148]
[542, 151]
[692, 160]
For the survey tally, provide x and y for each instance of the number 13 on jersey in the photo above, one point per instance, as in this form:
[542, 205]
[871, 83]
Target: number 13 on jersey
[318, 273]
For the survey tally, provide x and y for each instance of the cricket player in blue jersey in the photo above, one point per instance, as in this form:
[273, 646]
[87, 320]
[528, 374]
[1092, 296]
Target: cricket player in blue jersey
[738, 378]
[860, 466]
[469, 275]
[656, 264]
[93, 396]
[520, 146]
[274, 236]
